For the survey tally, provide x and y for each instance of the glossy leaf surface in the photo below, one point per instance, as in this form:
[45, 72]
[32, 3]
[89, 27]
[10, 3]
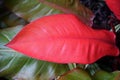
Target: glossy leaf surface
[30, 9]
[34, 9]
[76, 74]
[103, 75]
[116, 75]
[15, 66]
[63, 38]
[114, 6]
[73, 7]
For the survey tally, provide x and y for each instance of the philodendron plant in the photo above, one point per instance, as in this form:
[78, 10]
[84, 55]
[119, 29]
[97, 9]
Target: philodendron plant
[60, 45]
[63, 38]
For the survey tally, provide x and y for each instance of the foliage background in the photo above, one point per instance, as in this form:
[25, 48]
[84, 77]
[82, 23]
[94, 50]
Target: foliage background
[15, 14]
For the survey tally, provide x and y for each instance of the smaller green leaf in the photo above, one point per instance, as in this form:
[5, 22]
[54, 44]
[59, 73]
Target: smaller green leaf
[8, 18]
[30, 9]
[7, 34]
[34, 9]
[72, 6]
[75, 74]
[102, 75]
[116, 75]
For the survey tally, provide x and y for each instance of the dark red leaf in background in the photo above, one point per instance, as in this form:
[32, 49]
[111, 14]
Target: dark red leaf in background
[63, 38]
[114, 6]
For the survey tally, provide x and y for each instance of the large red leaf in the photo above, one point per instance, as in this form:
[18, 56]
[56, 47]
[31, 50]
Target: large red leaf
[114, 6]
[63, 38]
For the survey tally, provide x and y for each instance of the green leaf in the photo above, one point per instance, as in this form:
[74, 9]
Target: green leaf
[116, 75]
[72, 6]
[7, 34]
[75, 74]
[14, 65]
[8, 18]
[33, 9]
[30, 9]
[102, 75]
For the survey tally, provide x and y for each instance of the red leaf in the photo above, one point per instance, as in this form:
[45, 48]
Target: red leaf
[114, 6]
[63, 38]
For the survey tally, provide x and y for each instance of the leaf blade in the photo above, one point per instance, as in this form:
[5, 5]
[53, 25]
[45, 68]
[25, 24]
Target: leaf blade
[14, 65]
[62, 35]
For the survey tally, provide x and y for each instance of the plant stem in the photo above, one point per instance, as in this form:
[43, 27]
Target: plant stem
[72, 66]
